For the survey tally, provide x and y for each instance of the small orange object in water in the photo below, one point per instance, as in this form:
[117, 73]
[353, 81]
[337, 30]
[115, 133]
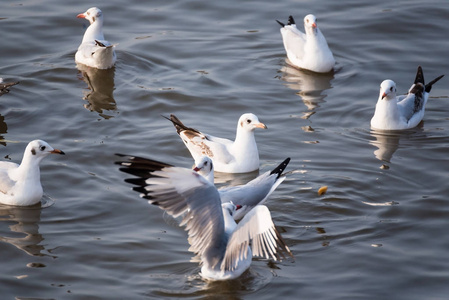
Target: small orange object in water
[322, 190]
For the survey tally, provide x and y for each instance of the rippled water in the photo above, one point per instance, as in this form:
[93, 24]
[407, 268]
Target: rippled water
[378, 233]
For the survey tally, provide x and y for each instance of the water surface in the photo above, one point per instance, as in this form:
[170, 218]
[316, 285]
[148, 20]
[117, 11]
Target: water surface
[378, 233]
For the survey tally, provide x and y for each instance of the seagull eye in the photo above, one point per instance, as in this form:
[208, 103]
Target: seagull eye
[42, 148]
[391, 89]
[248, 121]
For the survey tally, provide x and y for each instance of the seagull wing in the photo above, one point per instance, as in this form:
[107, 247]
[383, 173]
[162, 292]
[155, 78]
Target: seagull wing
[258, 230]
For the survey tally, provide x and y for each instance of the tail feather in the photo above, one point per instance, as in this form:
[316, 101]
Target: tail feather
[179, 125]
[279, 169]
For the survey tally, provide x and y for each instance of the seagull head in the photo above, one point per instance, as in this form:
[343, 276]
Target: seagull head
[250, 122]
[205, 168]
[92, 14]
[310, 22]
[387, 90]
[38, 149]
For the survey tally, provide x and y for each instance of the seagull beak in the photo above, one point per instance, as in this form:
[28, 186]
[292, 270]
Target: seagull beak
[260, 125]
[57, 151]
[81, 16]
[314, 25]
[384, 95]
[196, 169]
[237, 207]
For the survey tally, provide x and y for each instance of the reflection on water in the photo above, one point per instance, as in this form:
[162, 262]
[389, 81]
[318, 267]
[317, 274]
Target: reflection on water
[3, 129]
[101, 87]
[26, 220]
[386, 142]
[310, 86]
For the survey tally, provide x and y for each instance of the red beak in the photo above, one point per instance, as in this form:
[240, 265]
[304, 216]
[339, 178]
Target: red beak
[237, 207]
[384, 95]
[81, 16]
[314, 25]
[196, 169]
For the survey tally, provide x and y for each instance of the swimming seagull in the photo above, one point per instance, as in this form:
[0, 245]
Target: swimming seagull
[224, 247]
[307, 51]
[20, 184]
[238, 156]
[94, 50]
[405, 111]
[255, 192]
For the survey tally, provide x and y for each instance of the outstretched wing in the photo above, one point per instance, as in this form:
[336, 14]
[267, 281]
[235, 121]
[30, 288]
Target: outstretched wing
[183, 192]
[258, 230]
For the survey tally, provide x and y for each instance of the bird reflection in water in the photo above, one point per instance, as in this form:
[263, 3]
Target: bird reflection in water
[100, 90]
[309, 86]
[25, 222]
[387, 142]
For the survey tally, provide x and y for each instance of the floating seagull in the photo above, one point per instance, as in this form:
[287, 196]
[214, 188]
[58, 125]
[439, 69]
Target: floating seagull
[4, 86]
[255, 192]
[224, 247]
[94, 50]
[307, 51]
[405, 111]
[239, 156]
[20, 184]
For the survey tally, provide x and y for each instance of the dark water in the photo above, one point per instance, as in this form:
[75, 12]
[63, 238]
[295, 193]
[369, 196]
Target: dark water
[378, 233]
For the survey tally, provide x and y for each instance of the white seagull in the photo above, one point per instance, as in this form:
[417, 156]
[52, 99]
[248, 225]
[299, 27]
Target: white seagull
[94, 50]
[405, 111]
[255, 192]
[238, 156]
[307, 51]
[224, 247]
[20, 185]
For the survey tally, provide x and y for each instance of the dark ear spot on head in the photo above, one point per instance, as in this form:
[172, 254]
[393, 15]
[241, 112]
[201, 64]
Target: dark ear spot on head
[33, 151]
[241, 124]
[93, 19]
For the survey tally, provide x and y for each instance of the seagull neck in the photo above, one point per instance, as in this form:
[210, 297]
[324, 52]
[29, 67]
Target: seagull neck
[29, 168]
[244, 137]
[229, 222]
[94, 31]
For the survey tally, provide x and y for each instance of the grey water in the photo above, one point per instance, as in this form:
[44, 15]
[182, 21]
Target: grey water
[380, 230]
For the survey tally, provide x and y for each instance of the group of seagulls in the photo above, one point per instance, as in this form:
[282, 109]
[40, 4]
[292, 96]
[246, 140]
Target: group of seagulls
[226, 226]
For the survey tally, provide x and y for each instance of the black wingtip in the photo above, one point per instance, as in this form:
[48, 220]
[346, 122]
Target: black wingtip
[419, 76]
[279, 169]
[429, 85]
[280, 23]
[291, 21]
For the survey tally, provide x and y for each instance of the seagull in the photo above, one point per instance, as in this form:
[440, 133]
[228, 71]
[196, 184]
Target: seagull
[405, 111]
[224, 247]
[307, 51]
[255, 192]
[238, 156]
[94, 50]
[20, 185]
[4, 86]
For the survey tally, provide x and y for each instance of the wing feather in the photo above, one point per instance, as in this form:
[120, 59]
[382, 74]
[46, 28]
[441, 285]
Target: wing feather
[256, 229]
